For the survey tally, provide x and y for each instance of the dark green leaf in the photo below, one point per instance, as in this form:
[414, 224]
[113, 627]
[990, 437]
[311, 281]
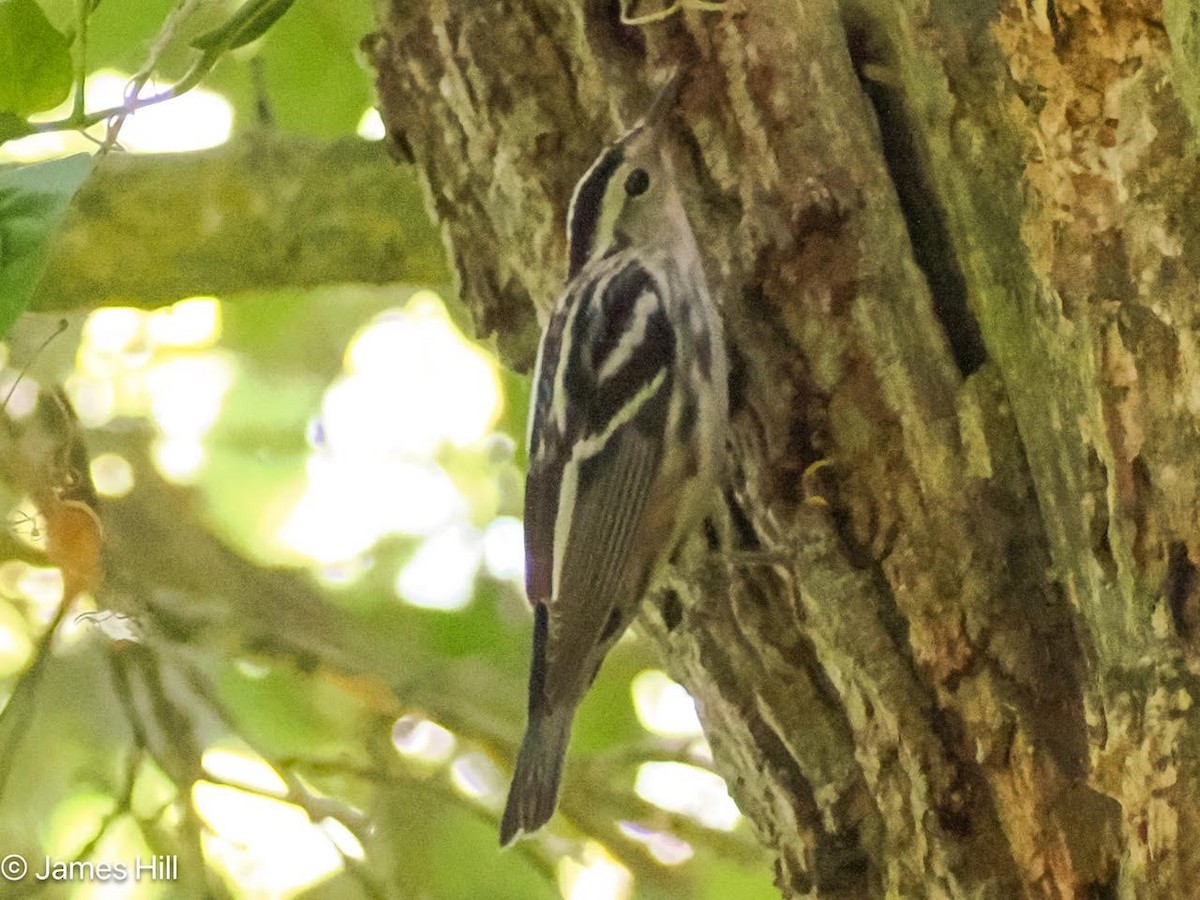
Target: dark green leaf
[33, 202]
[34, 57]
[250, 22]
[12, 126]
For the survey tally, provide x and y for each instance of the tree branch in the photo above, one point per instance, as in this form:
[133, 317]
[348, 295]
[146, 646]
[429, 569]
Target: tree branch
[257, 213]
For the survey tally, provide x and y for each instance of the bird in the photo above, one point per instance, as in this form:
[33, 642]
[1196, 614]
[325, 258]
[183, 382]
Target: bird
[626, 435]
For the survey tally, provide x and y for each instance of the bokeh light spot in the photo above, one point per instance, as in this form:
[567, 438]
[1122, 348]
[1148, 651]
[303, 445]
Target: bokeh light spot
[194, 322]
[347, 507]
[419, 738]
[179, 461]
[186, 392]
[43, 587]
[663, 706]
[441, 574]
[112, 475]
[74, 821]
[474, 775]
[240, 767]
[15, 646]
[448, 388]
[343, 838]
[266, 846]
[195, 120]
[504, 549]
[668, 849]
[370, 126]
[690, 791]
[113, 329]
[594, 876]
[199, 119]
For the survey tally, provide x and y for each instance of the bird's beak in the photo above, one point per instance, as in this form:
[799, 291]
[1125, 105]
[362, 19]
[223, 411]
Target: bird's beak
[664, 101]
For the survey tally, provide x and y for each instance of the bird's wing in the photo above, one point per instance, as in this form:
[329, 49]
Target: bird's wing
[597, 457]
[603, 571]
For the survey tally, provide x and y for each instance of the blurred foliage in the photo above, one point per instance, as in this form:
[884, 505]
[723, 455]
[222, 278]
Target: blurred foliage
[229, 702]
[34, 58]
[33, 202]
[312, 78]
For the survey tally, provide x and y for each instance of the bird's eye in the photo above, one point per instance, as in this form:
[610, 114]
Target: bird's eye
[637, 182]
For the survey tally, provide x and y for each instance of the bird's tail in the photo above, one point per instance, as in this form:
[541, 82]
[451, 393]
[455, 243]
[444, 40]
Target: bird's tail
[534, 791]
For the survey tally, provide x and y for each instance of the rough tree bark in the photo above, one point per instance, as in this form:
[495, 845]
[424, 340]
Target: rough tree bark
[953, 243]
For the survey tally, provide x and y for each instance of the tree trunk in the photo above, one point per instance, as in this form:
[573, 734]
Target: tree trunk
[950, 241]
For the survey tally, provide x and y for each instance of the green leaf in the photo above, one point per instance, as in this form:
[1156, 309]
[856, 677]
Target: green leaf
[120, 31]
[332, 101]
[250, 22]
[34, 57]
[12, 127]
[33, 202]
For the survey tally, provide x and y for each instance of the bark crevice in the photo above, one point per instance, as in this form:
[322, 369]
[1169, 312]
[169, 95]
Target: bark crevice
[928, 227]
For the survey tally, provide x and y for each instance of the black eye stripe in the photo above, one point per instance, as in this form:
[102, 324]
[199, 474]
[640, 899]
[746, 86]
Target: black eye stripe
[637, 182]
[585, 207]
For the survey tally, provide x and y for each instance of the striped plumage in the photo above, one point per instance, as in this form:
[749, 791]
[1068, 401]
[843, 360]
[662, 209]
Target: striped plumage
[626, 434]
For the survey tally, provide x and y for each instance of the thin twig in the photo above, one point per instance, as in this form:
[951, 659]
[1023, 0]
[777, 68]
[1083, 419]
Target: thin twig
[82, 12]
[677, 6]
[165, 35]
[14, 720]
[124, 806]
[62, 326]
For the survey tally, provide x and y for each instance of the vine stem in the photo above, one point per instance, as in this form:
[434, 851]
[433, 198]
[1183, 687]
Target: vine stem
[79, 119]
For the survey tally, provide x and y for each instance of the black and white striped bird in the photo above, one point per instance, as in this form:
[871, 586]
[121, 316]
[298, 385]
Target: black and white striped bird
[626, 436]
